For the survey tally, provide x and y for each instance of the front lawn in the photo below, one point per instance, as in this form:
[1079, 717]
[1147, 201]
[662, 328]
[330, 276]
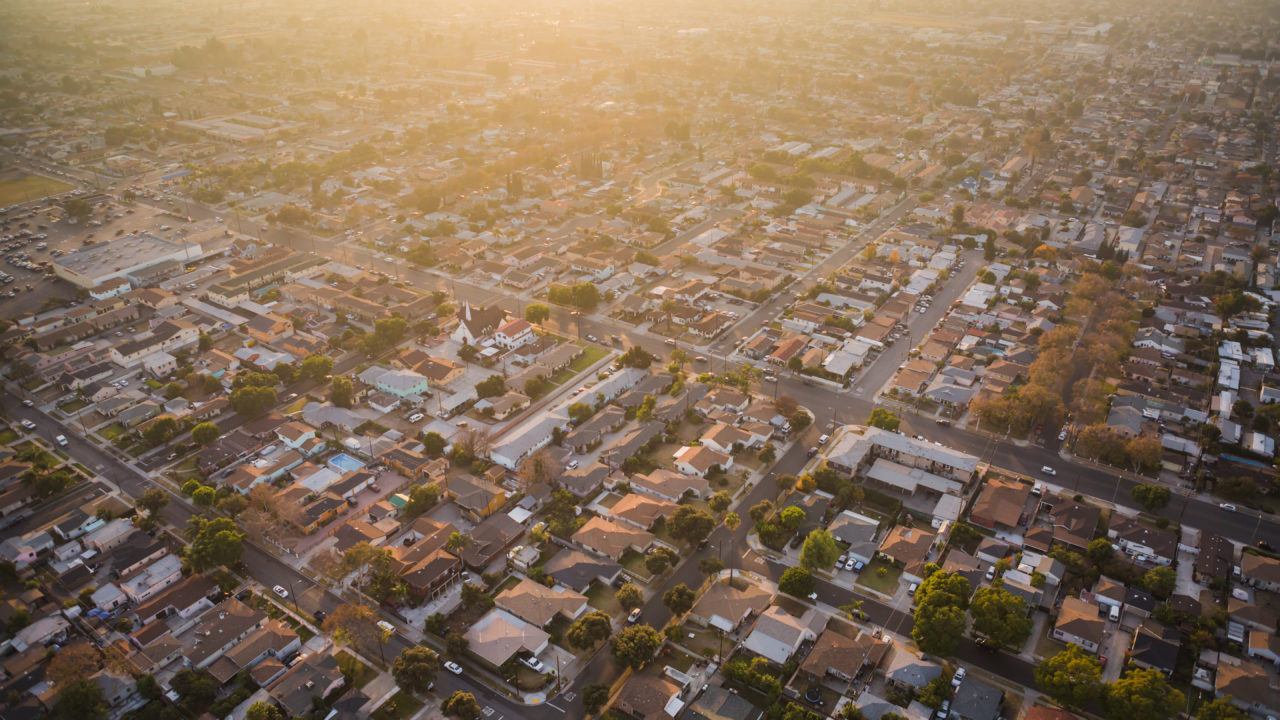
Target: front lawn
[73, 405]
[7, 436]
[591, 355]
[604, 597]
[880, 576]
[633, 562]
[111, 432]
[401, 705]
[357, 673]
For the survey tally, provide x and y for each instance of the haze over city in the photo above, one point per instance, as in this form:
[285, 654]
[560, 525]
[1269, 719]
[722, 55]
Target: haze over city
[883, 359]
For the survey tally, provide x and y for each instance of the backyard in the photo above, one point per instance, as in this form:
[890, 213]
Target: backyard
[603, 597]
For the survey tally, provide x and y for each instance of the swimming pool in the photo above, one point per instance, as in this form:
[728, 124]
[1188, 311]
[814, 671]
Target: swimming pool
[343, 462]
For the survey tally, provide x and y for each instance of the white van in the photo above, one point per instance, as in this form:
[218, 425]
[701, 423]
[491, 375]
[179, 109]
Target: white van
[387, 627]
[1114, 616]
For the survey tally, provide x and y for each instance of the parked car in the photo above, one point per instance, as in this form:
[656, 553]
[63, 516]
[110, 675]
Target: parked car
[453, 667]
[634, 616]
[416, 417]
[1048, 470]
[28, 403]
[279, 590]
[28, 424]
[533, 664]
[958, 677]
[823, 439]
[1227, 506]
[61, 440]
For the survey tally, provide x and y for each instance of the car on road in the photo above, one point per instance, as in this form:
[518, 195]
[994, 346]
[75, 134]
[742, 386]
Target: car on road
[634, 616]
[1227, 506]
[1048, 470]
[61, 440]
[822, 440]
[453, 667]
[671, 341]
[279, 590]
[592, 338]
[28, 403]
[1062, 436]
[28, 424]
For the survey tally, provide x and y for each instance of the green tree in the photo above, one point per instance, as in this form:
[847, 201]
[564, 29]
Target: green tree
[205, 496]
[537, 313]
[1143, 694]
[691, 524]
[1160, 580]
[629, 596]
[80, 700]
[433, 443]
[819, 551]
[589, 629]
[197, 688]
[1001, 617]
[796, 581]
[492, 386]
[160, 431]
[1100, 551]
[636, 357]
[1072, 677]
[710, 566]
[884, 419]
[173, 390]
[1151, 497]
[792, 517]
[316, 367]
[213, 542]
[989, 249]
[233, 504]
[253, 400]
[461, 705]
[415, 668]
[799, 420]
[720, 501]
[679, 599]
[456, 644]
[1221, 709]
[760, 510]
[941, 601]
[263, 711]
[205, 433]
[635, 645]
[153, 500]
[594, 697]
[205, 343]
[340, 391]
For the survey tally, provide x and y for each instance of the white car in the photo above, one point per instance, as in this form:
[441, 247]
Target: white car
[823, 440]
[851, 564]
[1227, 506]
[534, 664]
[1048, 470]
[1062, 436]
[279, 590]
[958, 677]
[453, 667]
[61, 440]
[28, 424]
[416, 417]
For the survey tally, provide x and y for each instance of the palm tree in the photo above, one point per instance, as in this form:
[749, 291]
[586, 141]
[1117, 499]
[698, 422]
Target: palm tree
[455, 543]
[732, 521]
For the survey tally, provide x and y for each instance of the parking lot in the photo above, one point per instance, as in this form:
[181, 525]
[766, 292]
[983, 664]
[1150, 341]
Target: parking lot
[36, 233]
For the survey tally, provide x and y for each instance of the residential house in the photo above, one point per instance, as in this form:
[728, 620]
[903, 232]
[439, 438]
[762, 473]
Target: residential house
[499, 635]
[726, 607]
[1155, 647]
[649, 697]
[479, 498]
[699, 460]
[843, 656]
[513, 334]
[976, 700]
[314, 677]
[908, 670]
[1002, 504]
[611, 539]
[1260, 571]
[1142, 542]
[858, 532]
[577, 570]
[538, 604]
[1078, 623]
[475, 324]
[671, 486]
[640, 510]
[777, 634]
[909, 547]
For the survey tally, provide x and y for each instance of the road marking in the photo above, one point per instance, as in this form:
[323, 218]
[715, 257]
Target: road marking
[569, 696]
[487, 711]
[555, 706]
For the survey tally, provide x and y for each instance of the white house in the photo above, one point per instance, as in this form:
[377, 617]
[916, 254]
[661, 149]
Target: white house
[777, 634]
[514, 334]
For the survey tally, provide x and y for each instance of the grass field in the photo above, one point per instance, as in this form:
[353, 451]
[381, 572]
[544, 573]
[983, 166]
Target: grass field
[23, 188]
